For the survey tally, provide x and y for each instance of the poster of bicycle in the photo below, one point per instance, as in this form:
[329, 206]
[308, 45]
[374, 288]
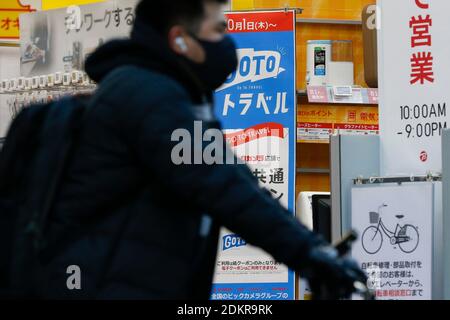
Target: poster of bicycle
[395, 245]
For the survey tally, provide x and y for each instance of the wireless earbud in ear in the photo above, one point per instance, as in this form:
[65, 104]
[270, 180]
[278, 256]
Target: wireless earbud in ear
[181, 44]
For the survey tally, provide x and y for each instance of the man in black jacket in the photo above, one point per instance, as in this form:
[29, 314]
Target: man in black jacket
[139, 226]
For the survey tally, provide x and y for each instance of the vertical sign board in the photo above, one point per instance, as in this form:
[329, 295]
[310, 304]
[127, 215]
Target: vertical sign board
[396, 243]
[414, 73]
[257, 106]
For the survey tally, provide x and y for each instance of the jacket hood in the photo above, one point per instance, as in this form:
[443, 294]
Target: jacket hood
[146, 49]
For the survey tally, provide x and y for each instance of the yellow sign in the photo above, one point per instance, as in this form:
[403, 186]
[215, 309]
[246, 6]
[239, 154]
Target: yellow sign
[56, 4]
[242, 4]
[9, 18]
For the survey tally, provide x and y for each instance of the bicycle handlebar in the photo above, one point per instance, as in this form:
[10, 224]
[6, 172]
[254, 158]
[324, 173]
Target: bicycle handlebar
[343, 247]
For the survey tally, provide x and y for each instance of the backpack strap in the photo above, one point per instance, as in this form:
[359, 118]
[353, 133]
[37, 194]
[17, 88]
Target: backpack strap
[86, 104]
[39, 221]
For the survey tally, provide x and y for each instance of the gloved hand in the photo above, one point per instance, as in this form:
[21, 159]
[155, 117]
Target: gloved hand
[332, 277]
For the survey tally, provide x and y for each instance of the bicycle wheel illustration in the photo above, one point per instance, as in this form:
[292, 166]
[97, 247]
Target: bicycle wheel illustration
[372, 240]
[412, 234]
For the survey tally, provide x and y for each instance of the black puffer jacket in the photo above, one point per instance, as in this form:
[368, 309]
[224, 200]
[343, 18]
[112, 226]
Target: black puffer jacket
[137, 225]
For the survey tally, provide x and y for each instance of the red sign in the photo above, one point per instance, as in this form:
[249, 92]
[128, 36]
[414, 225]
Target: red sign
[352, 126]
[307, 125]
[261, 22]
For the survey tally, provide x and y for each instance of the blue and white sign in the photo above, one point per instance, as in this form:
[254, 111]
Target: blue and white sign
[257, 106]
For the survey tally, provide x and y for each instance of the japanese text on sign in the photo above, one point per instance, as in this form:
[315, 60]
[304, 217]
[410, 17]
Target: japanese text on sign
[421, 61]
[77, 21]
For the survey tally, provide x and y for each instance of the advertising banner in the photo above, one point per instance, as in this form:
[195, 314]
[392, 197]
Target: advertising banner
[315, 123]
[257, 106]
[10, 10]
[414, 73]
[61, 40]
[395, 248]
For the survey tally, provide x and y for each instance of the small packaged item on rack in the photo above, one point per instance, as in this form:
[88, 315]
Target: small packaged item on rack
[50, 97]
[50, 80]
[41, 97]
[21, 83]
[86, 79]
[77, 77]
[26, 99]
[13, 84]
[5, 86]
[42, 82]
[58, 78]
[27, 83]
[33, 98]
[67, 79]
[34, 82]
[20, 102]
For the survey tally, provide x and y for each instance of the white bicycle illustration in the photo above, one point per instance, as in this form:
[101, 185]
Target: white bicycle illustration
[406, 236]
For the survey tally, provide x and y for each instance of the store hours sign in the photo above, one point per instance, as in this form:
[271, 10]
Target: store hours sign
[414, 73]
[257, 107]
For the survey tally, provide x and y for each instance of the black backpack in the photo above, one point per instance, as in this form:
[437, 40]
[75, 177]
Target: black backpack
[32, 163]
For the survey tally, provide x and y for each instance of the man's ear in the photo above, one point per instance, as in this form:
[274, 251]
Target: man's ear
[182, 44]
[177, 41]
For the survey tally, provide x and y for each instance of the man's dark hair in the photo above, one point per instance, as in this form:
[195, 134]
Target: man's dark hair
[162, 14]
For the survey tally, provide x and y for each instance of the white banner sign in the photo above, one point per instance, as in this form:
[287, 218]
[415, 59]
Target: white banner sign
[414, 73]
[395, 247]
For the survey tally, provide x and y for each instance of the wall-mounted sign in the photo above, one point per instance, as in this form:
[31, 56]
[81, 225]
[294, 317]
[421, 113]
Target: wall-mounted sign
[10, 10]
[395, 247]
